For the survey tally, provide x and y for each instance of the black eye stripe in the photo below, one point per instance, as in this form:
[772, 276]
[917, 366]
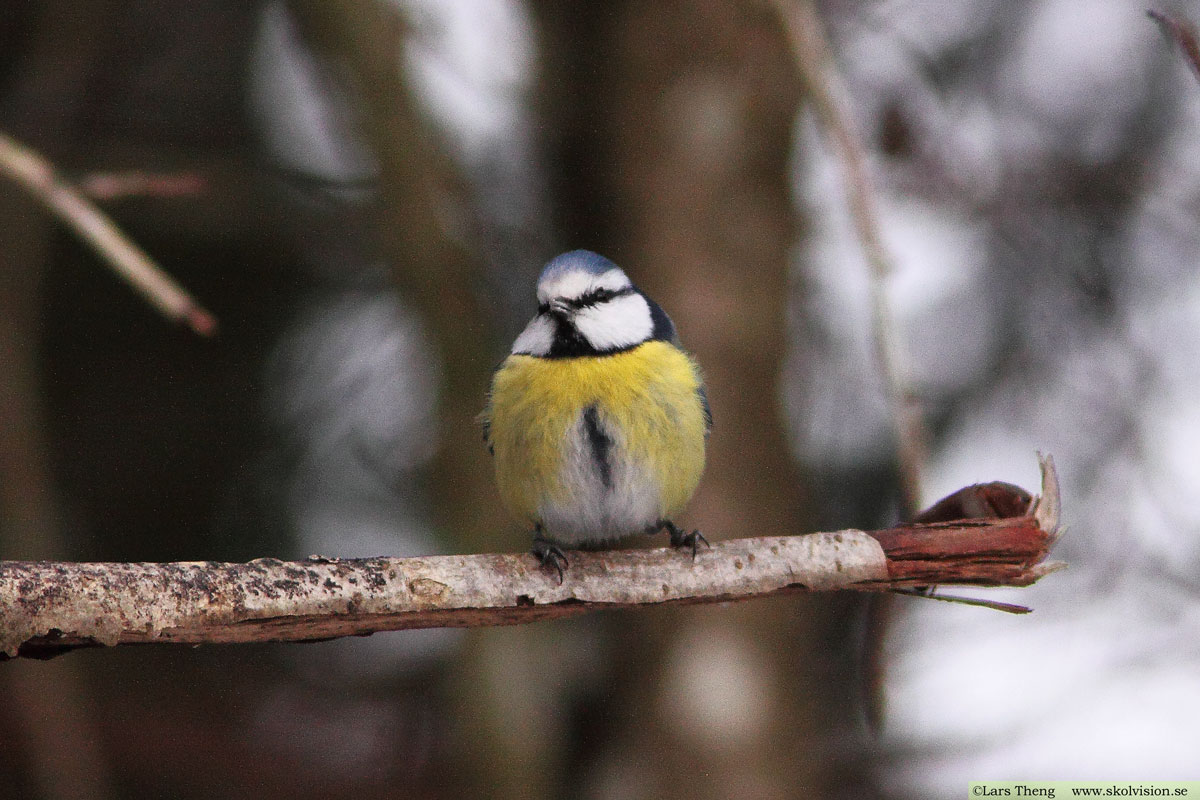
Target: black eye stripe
[598, 296]
[590, 298]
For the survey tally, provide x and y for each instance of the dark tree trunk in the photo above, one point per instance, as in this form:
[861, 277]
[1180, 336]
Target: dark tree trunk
[669, 129]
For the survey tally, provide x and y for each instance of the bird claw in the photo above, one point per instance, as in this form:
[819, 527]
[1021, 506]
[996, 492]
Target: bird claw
[679, 539]
[551, 556]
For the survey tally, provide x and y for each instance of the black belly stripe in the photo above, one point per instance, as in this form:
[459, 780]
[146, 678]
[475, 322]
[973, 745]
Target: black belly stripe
[600, 444]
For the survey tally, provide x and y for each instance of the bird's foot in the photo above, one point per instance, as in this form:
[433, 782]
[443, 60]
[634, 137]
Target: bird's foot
[551, 556]
[679, 539]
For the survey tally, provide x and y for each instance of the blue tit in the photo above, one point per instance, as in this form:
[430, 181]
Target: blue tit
[597, 419]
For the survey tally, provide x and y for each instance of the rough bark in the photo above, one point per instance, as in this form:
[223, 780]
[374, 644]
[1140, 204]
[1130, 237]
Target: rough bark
[49, 607]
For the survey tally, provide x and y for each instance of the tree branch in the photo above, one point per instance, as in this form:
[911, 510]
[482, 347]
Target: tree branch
[49, 607]
[829, 98]
[1183, 33]
[38, 176]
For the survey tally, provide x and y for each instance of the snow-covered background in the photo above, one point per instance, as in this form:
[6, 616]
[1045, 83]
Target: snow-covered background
[1044, 223]
[1037, 166]
[1042, 211]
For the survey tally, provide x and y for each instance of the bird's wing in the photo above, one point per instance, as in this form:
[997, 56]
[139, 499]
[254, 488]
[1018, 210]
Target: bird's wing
[485, 422]
[707, 408]
[664, 329]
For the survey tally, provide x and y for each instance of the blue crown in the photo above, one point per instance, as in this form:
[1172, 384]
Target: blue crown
[577, 260]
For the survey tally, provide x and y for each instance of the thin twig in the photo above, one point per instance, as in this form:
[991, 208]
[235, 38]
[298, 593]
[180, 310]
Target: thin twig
[994, 605]
[38, 176]
[138, 183]
[1184, 34]
[48, 607]
[814, 59]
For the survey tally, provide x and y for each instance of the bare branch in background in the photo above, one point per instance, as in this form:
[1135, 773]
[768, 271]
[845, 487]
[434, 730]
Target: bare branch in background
[39, 177]
[49, 607]
[139, 183]
[814, 60]
[1183, 33]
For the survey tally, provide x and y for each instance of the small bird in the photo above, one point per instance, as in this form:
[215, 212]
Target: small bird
[597, 419]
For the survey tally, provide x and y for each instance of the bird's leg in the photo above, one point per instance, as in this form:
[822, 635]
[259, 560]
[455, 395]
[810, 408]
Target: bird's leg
[550, 554]
[678, 537]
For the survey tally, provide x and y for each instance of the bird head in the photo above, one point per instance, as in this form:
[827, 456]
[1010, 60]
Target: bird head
[588, 306]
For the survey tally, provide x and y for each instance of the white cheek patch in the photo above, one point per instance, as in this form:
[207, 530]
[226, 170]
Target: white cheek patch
[536, 339]
[618, 323]
[577, 283]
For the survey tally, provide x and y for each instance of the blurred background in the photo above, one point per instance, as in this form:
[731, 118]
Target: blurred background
[363, 193]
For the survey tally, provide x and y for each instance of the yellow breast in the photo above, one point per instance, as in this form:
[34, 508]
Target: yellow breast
[646, 398]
